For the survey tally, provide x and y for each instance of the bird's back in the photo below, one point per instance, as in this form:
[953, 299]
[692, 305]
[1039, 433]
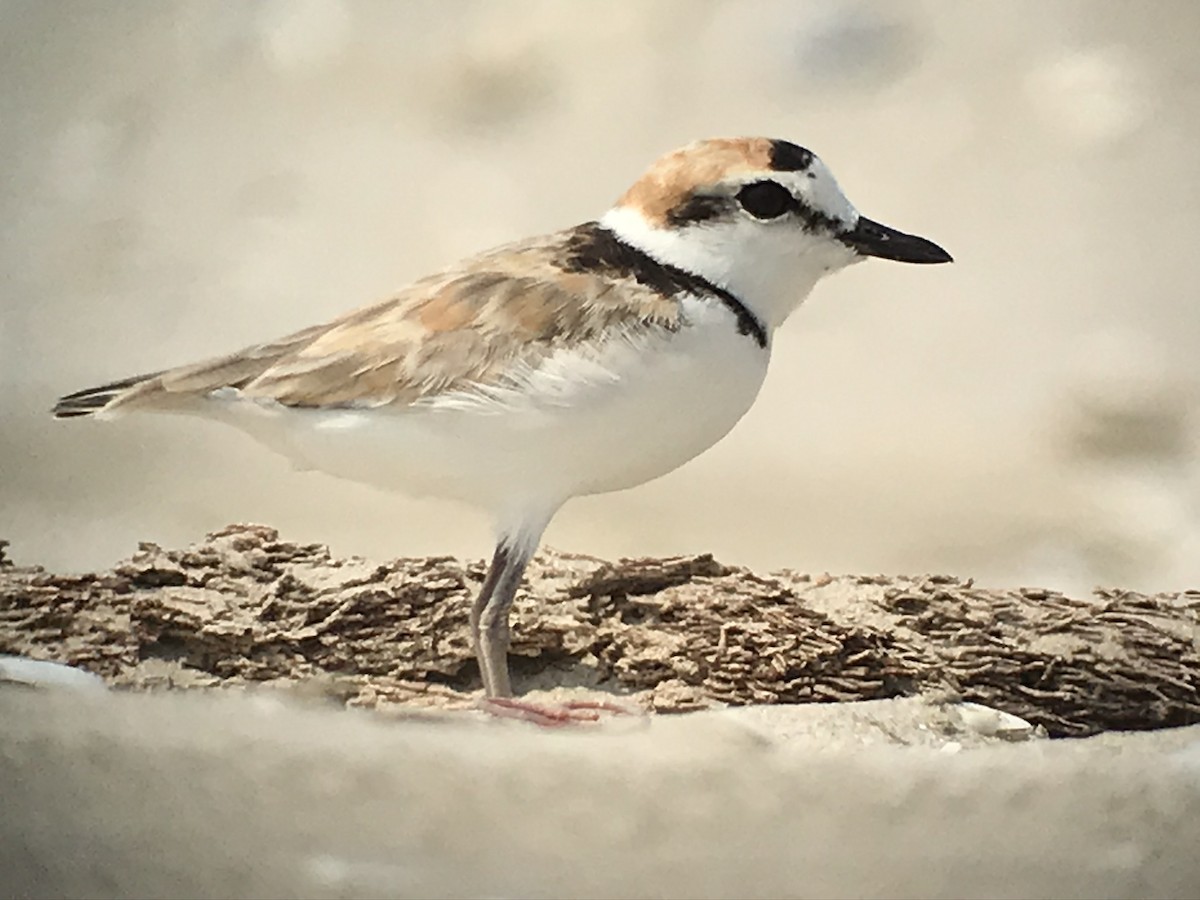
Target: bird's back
[468, 326]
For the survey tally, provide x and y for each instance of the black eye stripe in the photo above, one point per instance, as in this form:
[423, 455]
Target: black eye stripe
[766, 199]
[699, 208]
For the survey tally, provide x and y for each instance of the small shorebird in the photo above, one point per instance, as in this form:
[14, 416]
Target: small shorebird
[589, 360]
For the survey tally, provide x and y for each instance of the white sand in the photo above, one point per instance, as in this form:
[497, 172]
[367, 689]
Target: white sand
[234, 795]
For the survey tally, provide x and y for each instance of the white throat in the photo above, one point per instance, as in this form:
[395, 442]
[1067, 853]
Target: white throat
[770, 269]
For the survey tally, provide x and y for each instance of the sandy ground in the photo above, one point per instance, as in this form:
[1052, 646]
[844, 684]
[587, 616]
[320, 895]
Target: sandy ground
[229, 795]
[252, 717]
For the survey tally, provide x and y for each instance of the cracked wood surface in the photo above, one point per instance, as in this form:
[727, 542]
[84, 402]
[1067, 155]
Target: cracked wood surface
[244, 607]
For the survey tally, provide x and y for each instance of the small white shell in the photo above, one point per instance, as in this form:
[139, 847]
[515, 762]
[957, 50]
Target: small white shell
[40, 673]
[993, 722]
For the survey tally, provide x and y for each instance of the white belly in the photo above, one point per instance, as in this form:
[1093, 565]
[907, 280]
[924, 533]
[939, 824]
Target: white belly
[627, 412]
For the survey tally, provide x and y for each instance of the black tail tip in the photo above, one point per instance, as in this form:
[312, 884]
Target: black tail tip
[82, 403]
[92, 400]
[75, 407]
[61, 412]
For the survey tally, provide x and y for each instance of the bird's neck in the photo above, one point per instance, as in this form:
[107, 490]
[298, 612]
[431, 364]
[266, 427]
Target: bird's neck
[771, 281]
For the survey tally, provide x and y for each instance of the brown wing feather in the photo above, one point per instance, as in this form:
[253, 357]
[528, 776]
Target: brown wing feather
[466, 327]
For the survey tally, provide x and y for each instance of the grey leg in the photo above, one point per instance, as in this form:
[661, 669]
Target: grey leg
[490, 635]
[489, 618]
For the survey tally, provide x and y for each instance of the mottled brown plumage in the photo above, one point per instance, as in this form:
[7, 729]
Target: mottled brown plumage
[457, 329]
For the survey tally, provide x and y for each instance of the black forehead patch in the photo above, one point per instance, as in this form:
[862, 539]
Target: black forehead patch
[789, 157]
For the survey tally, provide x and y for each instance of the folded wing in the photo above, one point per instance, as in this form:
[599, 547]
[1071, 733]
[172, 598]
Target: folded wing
[465, 328]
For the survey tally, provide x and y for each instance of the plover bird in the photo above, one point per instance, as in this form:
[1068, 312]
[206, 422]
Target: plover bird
[589, 360]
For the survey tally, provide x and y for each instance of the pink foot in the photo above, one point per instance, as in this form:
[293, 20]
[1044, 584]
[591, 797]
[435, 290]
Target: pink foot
[551, 715]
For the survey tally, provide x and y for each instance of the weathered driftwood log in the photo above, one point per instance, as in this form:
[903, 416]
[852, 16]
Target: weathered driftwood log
[673, 634]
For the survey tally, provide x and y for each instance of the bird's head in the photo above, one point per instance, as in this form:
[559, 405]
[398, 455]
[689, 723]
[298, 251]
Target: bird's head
[762, 218]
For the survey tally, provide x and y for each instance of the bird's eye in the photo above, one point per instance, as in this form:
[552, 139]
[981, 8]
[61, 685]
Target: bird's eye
[765, 199]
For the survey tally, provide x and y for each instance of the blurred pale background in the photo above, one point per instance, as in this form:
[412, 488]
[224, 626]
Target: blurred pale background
[181, 179]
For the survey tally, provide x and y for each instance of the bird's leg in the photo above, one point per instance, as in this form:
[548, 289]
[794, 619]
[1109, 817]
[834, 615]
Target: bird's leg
[490, 636]
[489, 617]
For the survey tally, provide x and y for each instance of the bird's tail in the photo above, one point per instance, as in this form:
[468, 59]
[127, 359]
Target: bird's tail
[106, 397]
[178, 389]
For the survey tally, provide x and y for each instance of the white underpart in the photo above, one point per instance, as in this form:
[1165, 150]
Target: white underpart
[771, 266]
[591, 419]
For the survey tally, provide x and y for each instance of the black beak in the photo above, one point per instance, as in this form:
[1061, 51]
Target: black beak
[872, 239]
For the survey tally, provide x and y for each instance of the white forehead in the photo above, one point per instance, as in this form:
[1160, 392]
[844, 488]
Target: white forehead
[817, 187]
